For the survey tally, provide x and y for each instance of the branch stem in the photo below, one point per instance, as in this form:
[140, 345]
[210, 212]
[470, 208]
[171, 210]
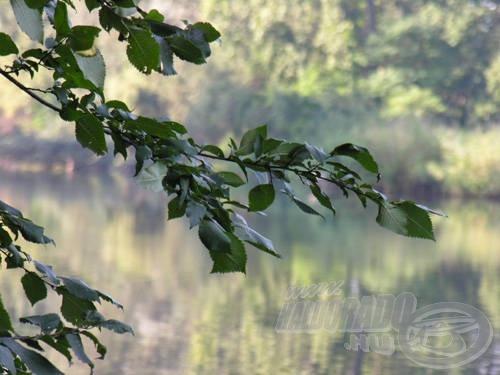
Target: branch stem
[29, 91]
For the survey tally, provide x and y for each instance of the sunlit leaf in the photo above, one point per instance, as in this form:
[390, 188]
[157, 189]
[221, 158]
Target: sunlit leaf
[29, 20]
[152, 176]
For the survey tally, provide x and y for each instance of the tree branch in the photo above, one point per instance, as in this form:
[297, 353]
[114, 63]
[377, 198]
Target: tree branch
[29, 91]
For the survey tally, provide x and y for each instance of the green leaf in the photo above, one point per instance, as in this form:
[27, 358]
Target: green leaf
[254, 238]
[9, 209]
[150, 126]
[5, 324]
[316, 152]
[47, 271]
[405, 218]
[166, 57]
[151, 177]
[79, 289]
[101, 349]
[7, 46]
[76, 345]
[142, 153]
[34, 287]
[110, 20]
[5, 239]
[358, 153]
[82, 39]
[214, 150]
[248, 139]
[47, 322]
[109, 299]
[176, 208]
[116, 326]
[61, 20]
[36, 363]
[154, 15]
[36, 4]
[74, 309]
[7, 360]
[30, 231]
[60, 344]
[231, 179]
[142, 50]
[195, 212]
[93, 68]
[90, 134]
[322, 198]
[211, 34]
[260, 197]
[29, 20]
[214, 237]
[305, 207]
[233, 261]
[186, 50]
[92, 4]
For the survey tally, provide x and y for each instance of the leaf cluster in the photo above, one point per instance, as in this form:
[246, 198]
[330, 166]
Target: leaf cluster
[60, 331]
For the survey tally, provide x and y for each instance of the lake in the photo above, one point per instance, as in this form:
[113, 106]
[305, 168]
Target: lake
[115, 237]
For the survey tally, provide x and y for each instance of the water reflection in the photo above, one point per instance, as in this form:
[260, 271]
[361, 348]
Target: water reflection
[116, 237]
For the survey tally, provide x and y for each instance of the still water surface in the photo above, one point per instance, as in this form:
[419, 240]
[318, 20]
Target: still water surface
[115, 237]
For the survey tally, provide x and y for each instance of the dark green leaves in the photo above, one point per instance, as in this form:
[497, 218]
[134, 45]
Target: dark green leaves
[231, 179]
[358, 153]
[7, 46]
[150, 126]
[186, 50]
[210, 33]
[252, 139]
[90, 134]
[233, 261]
[405, 218]
[5, 324]
[61, 20]
[214, 237]
[260, 197]
[36, 363]
[82, 38]
[79, 288]
[74, 309]
[143, 51]
[34, 287]
[28, 229]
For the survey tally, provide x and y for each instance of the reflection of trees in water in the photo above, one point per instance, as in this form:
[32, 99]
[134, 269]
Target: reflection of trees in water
[109, 233]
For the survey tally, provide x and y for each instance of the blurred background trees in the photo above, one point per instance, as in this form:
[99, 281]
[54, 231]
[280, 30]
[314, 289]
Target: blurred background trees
[418, 82]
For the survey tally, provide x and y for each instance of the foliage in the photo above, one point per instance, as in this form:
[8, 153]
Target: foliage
[167, 159]
[402, 58]
[470, 163]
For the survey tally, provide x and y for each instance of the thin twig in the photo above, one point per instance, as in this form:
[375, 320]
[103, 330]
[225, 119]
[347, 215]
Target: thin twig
[29, 91]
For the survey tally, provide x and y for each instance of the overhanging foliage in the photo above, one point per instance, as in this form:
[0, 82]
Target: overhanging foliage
[167, 159]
